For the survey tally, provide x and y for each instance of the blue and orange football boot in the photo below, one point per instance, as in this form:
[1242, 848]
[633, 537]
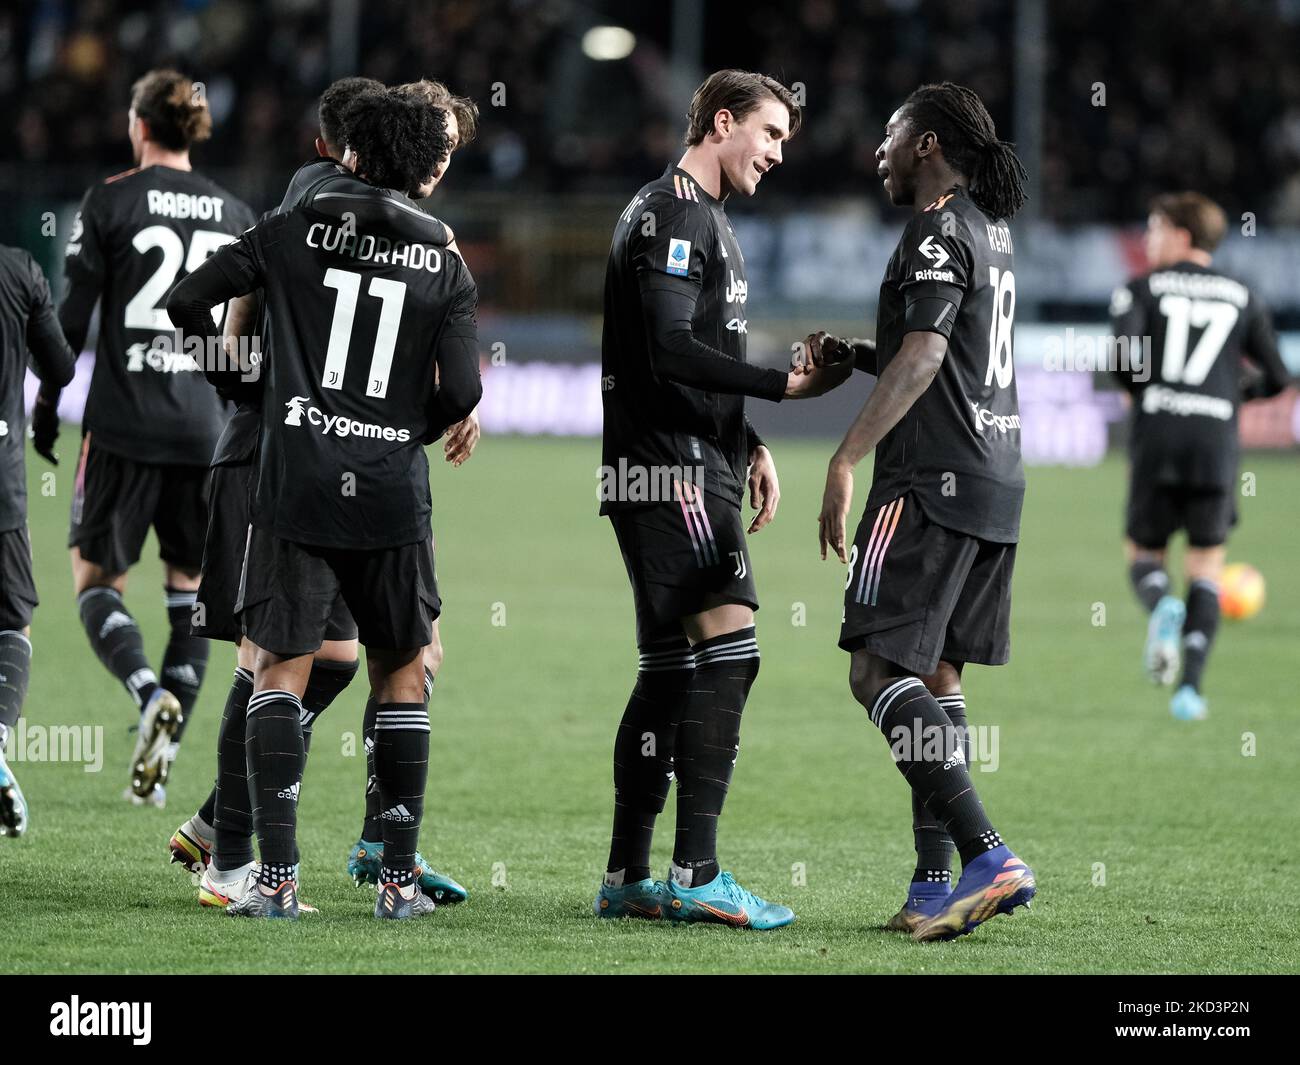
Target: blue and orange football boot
[723, 901]
[995, 882]
[646, 899]
[923, 901]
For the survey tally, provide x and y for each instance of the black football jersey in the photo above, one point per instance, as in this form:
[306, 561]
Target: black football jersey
[134, 236]
[238, 442]
[958, 448]
[1201, 323]
[27, 324]
[673, 227]
[358, 292]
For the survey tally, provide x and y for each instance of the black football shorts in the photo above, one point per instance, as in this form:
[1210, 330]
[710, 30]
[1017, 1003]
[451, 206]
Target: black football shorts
[116, 500]
[17, 588]
[223, 562]
[1157, 511]
[682, 557]
[918, 592]
[288, 592]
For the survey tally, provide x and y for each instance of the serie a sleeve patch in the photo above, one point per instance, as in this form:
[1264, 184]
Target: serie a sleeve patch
[679, 257]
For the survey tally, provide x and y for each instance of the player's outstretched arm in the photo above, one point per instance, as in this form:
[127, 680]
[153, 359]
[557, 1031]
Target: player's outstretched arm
[906, 377]
[232, 271]
[668, 307]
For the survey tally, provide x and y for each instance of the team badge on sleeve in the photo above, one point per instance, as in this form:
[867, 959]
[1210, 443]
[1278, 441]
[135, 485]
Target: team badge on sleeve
[679, 257]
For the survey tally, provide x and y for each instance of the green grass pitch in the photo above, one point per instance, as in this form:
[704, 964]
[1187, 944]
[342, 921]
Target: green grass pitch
[1159, 846]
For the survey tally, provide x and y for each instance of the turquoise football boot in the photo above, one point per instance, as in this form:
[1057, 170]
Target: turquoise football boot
[723, 901]
[1189, 705]
[1160, 656]
[645, 899]
[367, 859]
[13, 807]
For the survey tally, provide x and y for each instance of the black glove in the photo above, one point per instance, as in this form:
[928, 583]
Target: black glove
[45, 426]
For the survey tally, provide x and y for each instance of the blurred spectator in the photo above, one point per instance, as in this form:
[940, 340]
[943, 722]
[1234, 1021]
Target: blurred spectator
[1204, 96]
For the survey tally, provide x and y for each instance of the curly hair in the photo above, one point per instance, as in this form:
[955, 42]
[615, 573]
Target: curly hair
[438, 95]
[174, 107]
[969, 142]
[398, 138]
[334, 102]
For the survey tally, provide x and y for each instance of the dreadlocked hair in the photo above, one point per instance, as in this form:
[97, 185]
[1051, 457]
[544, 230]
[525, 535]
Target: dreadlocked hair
[970, 144]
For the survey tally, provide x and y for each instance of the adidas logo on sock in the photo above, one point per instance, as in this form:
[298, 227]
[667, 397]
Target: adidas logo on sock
[291, 792]
[398, 813]
[115, 620]
[958, 758]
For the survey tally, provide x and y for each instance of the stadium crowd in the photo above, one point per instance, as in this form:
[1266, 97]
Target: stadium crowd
[1211, 102]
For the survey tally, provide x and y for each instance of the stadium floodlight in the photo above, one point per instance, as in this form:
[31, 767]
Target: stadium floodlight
[608, 42]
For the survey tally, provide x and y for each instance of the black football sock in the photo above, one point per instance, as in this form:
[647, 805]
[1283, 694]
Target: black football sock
[643, 755]
[402, 770]
[116, 639]
[931, 756]
[232, 815]
[272, 874]
[324, 684]
[372, 830]
[1199, 627]
[706, 748]
[186, 658]
[1150, 582]
[274, 753]
[15, 672]
[934, 847]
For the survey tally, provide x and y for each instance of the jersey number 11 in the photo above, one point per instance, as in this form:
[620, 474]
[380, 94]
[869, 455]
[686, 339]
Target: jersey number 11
[392, 294]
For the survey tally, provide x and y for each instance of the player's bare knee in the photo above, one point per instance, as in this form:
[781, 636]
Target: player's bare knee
[865, 677]
[945, 680]
[182, 579]
[396, 676]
